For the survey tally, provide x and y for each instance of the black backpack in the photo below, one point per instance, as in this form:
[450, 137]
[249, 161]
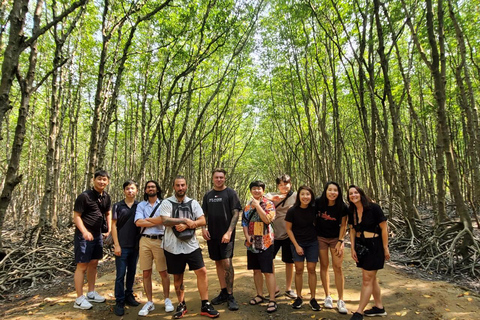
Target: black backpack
[183, 210]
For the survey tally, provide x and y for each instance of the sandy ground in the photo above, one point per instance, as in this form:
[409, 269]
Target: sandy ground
[404, 296]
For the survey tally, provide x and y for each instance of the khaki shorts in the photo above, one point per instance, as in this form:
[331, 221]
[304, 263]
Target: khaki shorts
[149, 250]
[325, 243]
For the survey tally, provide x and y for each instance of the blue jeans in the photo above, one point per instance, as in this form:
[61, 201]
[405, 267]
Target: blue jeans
[126, 264]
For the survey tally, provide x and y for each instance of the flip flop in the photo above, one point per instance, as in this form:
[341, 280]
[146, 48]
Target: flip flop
[255, 301]
[291, 294]
[272, 306]
[277, 295]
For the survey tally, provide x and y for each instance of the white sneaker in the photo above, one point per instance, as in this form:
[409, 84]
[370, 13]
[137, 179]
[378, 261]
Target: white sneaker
[168, 305]
[328, 303]
[341, 307]
[82, 303]
[95, 297]
[146, 309]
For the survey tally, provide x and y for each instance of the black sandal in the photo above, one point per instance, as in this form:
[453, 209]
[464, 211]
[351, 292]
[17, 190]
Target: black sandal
[254, 300]
[272, 306]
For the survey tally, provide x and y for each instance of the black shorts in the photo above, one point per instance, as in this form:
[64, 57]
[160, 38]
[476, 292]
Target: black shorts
[176, 263]
[286, 252]
[262, 261]
[375, 258]
[87, 250]
[220, 251]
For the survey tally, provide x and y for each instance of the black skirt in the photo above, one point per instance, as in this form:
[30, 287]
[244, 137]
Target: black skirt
[374, 259]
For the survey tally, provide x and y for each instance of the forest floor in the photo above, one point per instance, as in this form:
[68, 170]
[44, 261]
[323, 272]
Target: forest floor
[406, 295]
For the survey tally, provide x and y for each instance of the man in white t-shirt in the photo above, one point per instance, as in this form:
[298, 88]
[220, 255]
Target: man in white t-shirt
[179, 214]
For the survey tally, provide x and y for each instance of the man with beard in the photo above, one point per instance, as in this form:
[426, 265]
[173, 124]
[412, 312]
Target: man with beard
[150, 250]
[181, 216]
[222, 209]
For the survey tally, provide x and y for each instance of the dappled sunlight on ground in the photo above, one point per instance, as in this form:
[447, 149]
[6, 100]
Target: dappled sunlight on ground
[404, 296]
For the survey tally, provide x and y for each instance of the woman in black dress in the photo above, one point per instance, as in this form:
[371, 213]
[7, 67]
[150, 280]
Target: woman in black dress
[369, 237]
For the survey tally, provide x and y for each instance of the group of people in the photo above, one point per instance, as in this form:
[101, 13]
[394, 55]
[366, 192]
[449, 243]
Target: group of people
[163, 231]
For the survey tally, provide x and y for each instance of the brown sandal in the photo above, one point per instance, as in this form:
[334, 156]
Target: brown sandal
[272, 306]
[257, 300]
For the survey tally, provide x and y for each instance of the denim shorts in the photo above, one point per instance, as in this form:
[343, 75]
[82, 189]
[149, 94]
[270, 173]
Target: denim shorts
[310, 252]
[87, 250]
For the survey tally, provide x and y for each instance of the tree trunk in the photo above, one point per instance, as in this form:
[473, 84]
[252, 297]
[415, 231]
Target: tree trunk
[12, 178]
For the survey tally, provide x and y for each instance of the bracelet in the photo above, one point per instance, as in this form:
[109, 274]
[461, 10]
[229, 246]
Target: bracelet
[339, 240]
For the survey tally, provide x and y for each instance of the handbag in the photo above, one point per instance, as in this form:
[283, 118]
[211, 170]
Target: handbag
[361, 250]
[183, 210]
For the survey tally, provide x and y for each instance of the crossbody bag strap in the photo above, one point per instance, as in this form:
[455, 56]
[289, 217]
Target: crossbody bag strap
[120, 226]
[281, 203]
[151, 214]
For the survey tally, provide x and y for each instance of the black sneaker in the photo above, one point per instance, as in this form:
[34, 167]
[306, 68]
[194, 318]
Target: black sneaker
[297, 304]
[119, 309]
[209, 311]
[375, 312]
[314, 305]
[130, 300]
[181, 310]
[221, 298]
[231, 303]
[357, 316]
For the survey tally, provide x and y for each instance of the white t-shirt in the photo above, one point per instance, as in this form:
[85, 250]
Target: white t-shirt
[170, 242]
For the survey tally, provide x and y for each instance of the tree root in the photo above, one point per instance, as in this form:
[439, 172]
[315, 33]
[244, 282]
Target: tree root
[440, 249]
[38, 260]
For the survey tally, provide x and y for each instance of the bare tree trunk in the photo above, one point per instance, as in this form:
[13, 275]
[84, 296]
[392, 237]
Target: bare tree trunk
[54, 125]
[405, 195]
[12, 53]
[12, 178]
[467, 102]
[438, 70]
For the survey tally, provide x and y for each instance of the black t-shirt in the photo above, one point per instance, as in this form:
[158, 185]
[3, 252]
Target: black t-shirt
[127, 234]
[92, 206]
[371, 218]
[217, 207]
[329, 220]
[302, 220]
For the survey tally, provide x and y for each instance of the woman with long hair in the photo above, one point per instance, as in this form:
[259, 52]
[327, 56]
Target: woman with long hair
[300, 224]
[369, 237]
[331, 225]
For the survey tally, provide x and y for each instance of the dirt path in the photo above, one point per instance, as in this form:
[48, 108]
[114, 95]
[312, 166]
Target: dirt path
[404, 296]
